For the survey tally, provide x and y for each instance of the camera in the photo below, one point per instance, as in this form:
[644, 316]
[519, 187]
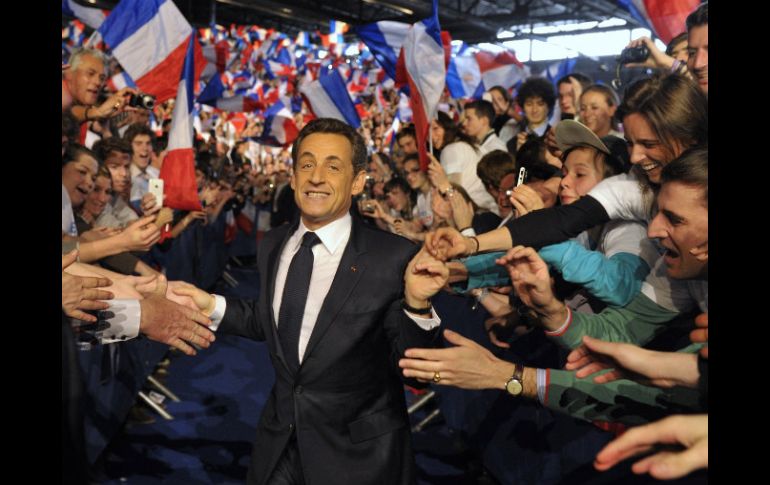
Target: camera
[634, 54]
[142, 100]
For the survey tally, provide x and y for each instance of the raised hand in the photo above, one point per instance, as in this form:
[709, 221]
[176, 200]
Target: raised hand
[692, 432]
[141, 234]
[164, 321]
[424, 277]
[526, 200]
[446, 243]
[82, 292]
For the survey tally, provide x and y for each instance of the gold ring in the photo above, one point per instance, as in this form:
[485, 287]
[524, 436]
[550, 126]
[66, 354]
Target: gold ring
[436, 377]
[117, 105]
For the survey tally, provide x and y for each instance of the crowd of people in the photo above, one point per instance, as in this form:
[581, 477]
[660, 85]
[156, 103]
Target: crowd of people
[580, 244]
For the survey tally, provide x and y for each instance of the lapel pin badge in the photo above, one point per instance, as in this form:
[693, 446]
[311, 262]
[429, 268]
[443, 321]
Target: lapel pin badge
[353, 268]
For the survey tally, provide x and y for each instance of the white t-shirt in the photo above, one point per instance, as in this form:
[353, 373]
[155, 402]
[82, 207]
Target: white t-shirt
[509, 130]
[622, 198]
[493, 142]
[460, 157]
[67, 216]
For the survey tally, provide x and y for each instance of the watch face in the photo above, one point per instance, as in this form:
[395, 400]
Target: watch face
[514, 387]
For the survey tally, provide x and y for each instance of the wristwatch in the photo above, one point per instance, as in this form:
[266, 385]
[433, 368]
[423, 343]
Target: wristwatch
[515, 386]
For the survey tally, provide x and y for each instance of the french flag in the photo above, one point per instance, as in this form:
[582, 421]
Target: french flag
[150, 39]
[384, 39]
[303, 39]
[92, 17]
[120, 81]
[463, 76]
[245, 219]
[424, 66]
[328, 98]
[665, 18]
[178, 170]
[280, 129]
[501, 69]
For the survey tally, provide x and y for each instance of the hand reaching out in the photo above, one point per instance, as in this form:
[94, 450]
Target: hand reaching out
[82, 292]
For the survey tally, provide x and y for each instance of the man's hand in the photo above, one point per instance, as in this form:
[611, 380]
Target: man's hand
[168, 322]
[467, 365]
[627, 361]
[525, 200]
[115, 104]
[81, 292]
[199, 299]
[150, 204]
[424, 277]
[97, 233]
[692, 432]
[656, 59]
[141, 234]
[531, 279]
[701, 334]
[447, 243]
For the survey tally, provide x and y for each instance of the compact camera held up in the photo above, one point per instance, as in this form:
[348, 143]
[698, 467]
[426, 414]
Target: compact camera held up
[634, 54]
[142, 100]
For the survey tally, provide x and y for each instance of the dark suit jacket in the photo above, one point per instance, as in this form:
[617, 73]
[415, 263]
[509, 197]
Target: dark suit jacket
[346, 401]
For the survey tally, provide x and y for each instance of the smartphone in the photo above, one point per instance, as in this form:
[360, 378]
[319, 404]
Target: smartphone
[156, 189]
[522, 176]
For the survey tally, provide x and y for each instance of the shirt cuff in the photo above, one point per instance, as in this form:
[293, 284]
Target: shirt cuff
[219, 312]
[425, 323]
[468, 232]
[560, 331]
[541, 385]
[123, 317]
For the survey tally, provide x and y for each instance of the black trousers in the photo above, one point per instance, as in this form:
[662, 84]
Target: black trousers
[288, 470]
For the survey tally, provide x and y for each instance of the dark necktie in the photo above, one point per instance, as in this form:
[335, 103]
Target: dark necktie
[294, 298]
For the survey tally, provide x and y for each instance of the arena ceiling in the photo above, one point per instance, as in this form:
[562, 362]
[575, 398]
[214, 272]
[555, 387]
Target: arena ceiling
[473, 21]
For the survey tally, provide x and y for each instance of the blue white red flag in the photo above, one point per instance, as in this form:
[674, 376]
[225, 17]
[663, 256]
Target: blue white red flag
[280, 129]
[150, 39]
[384, 39]
[666, 18]
[501, 69]
[328, 98]
[92, 17]
[178, 170]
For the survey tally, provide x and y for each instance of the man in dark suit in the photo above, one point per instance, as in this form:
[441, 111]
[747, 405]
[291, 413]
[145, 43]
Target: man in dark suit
[337, 413]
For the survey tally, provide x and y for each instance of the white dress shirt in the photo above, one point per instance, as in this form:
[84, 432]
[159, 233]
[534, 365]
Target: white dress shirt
[326, 258]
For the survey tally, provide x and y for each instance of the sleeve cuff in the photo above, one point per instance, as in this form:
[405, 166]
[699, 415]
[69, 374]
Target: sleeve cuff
[425, 323]
[542, 385]
[468, 232]
[561, 330]
[219, 312]
[123, 316]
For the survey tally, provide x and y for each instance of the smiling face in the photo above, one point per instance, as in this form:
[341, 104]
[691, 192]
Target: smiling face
[579, 175]
[78, 178]
[142, 148]
[117, 162]
[437, 134]
[682, 226]
[698, 55]
[85, 81]
[535, 110]
[645, 148]
[99, 197]
[323, 179]
[596, 113]
[567, 98]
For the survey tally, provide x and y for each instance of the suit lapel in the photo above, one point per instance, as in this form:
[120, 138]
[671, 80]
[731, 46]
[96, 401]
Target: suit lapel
[272, 264]
[349, 272]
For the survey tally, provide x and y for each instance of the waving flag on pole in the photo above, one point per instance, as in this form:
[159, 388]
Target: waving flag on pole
[92, 17]
[280, 129]
[384, 39]
[178, 172]
[463, 76]
[120, 81]
[328, 98]
[666, 18]
[425, 69]
[150, 39]
[502, 69]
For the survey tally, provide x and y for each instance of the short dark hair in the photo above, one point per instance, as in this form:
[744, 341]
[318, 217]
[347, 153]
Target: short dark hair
[397, 182]
[531, 156]
[690, 168]
[584, 80]
[676, 40]
[483, 108]
[75, 150]
[406, 131]
[493, 166]
[452, 132]
[137, 129]
[503, 92]
[112, 144]
[410, 157]
[698, 17]
[336, 127]
[537, 86]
